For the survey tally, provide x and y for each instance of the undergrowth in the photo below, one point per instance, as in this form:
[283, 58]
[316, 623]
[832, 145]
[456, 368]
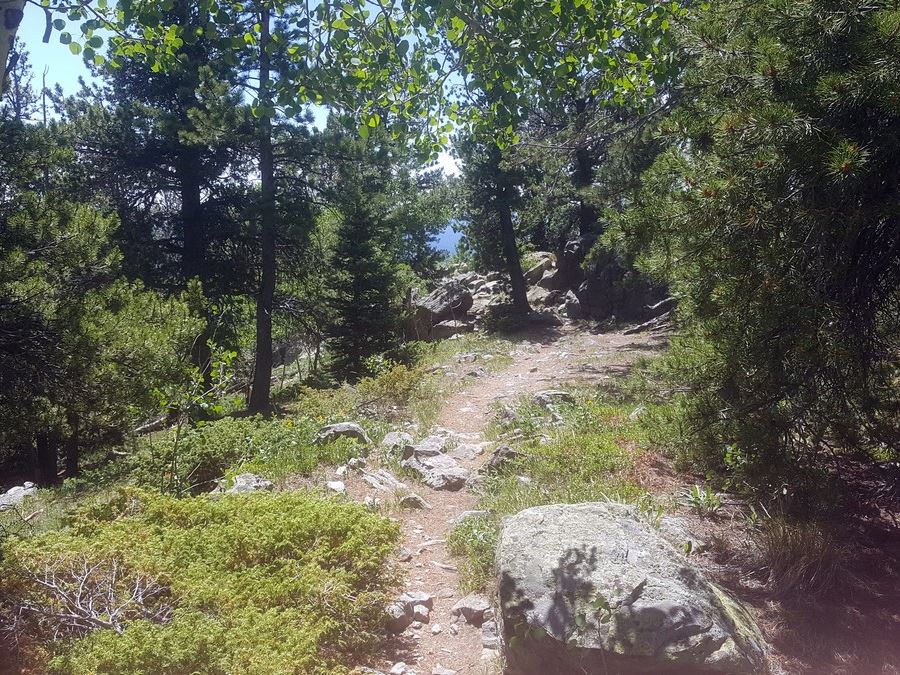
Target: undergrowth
[262, 583]
[587, 457]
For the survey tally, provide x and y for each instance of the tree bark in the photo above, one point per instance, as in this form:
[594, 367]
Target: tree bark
[262, 373]
[504, 199]
[194, 246]
[583, 177]
[46, 470]
[10, 17]
[73, 445]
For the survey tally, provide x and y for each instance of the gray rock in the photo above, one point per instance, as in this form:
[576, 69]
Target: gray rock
[536, 271]
[404, 554]
[553, 280]
[342, 430]
[421, 613]
[472, 608]
[336, 486]
[450, 328]
[544, 319]
[401, 613]
[439, 471]
[572, 306]
[450, 301]
[250, 482]
[593, 588]
[398, 668]
[552, 397]
[500, 457]
[413, 501]
[16, 495]
[397, 617]
[413, 598]
[396, 443]
[538, 296]
[490, 639]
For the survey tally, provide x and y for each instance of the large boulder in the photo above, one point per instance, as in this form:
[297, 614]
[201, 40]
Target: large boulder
[534, 273]
[449, 301]
[16, 495]
[592, 588]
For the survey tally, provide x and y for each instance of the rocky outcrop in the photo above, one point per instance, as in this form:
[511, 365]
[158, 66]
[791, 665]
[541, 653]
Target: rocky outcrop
[592, 588]
[448, 329]
[450, 301]
[16, 495]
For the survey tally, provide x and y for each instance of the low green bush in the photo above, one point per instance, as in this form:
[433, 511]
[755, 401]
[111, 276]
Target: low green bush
[259, 583]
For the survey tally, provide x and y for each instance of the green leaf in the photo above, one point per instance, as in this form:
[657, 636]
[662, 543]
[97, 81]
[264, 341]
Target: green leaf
[75, 48]
[59, 24]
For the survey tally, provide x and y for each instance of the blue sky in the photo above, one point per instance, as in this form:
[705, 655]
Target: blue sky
[63, 67]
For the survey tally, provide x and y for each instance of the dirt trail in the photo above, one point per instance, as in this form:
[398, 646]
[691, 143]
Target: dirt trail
[541, 360]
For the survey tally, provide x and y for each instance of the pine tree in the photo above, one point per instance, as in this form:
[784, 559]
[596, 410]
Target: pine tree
[776, 217]
[364, 262]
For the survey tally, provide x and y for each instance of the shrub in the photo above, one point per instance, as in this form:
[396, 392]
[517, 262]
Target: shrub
[261, 583]
[800, 557]
[213, 450]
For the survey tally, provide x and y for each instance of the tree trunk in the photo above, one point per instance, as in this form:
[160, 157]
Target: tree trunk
[583, 177]
[513, 262]
[73, 444]
[46, 471]
[262, 373]
[193, 247]
[10, 18]
[508, 234]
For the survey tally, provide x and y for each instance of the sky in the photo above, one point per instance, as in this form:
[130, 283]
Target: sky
[64, 69]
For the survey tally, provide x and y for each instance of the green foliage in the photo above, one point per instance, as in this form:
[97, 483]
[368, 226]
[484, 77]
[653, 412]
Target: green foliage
[587, 458]
[704, 501]
[274, 448]
[259, 583]
[773, 219]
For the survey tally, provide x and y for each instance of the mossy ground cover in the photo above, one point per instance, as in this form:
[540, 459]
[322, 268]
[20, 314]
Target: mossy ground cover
[261, 583]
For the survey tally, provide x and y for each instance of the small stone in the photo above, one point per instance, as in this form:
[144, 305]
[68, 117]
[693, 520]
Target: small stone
[421, 613]
[336, 486]
[413, 598]
[398, 668]
[436, 628]
[413, 501]
[472, 608]
[440, 670]
[489, 637]
[398, 617]
[416, 625]
[372, 503]
[404, 555]
[341, 470]
[454, 629]
[357, 462]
